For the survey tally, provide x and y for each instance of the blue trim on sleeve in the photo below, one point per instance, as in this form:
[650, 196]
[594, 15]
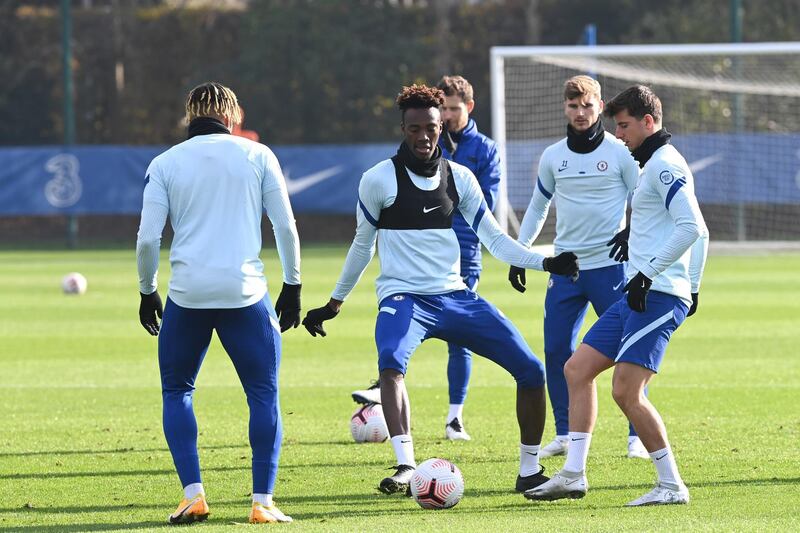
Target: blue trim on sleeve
[674, 190]
[479, 216]
[366, 213]
[546, 194]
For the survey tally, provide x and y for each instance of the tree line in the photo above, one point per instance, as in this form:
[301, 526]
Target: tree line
[306, 71]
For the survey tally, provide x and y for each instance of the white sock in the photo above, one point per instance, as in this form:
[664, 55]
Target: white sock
[456, 411]
[193, 489]
[404, 450]
[632, 439]
[577, 452]
[528, 459]
[666, 467]
[562, 438]
[263, 499]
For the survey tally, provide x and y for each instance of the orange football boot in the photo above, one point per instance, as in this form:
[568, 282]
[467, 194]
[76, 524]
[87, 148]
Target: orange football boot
[190, 510]
[261, 514]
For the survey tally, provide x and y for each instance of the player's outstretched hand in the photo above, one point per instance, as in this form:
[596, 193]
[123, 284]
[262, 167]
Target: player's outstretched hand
[564, 264]
[637, 289]
[619, 244]
[516, 276]
[287, 307]
[314, 319]
[693, 308]
[149, 308]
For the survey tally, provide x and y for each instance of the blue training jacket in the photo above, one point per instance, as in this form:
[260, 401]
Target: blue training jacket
[478, 153]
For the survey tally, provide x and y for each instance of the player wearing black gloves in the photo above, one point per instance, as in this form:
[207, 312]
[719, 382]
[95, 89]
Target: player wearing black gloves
[150, 307]
[287, 307]
[215, 188]
[589, 176]
[564, 264]
[314, 318]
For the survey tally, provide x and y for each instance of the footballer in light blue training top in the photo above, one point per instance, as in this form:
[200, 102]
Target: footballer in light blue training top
[668, 247]
[462, 143]
[588, 175]
[406, 205]
[215, 187]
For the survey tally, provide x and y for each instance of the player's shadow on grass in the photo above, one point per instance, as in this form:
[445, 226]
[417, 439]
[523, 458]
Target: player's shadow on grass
[765, 482]
[116, 451]
[88, 527]
[49, 510]
[168, 471]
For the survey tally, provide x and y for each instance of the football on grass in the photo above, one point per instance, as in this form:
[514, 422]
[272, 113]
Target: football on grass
[367, 424]
[437, 484]
[73, 283]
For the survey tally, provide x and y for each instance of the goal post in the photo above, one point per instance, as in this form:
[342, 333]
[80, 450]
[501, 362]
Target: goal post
[733, 110]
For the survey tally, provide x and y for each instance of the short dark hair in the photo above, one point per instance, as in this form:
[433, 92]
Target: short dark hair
[456, 86]
[638, 101]
[419, 97]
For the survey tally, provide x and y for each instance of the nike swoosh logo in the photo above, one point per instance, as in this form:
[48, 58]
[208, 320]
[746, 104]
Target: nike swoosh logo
[659, 458]
[428, 210]
[617, 286]
[294, 186]
[564, 168]
[531, 453]
[701, 164]
[582, 438]
[404, 441]
[570, 482]
[188, 505]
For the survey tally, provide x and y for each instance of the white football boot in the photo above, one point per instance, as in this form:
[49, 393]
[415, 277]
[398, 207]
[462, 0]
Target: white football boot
[663, 495]
[371, 394]
[636, 449]
[560, 486]
[454, 430]
[557, 447]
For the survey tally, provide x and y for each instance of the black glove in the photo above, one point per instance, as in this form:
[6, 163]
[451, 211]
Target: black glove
[149, 308]
[287, 307]
[619, 251]
[693, 308]
[564, 264]
[314, 319]
[516, 276]
[637, 289]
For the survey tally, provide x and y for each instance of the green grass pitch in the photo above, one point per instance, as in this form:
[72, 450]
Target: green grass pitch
[81, 446]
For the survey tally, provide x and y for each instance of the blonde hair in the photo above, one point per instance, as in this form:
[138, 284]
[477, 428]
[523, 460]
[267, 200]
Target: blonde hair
[212, 99]
[581, 86]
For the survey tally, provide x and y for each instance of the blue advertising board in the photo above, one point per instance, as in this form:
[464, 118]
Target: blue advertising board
[728, 169]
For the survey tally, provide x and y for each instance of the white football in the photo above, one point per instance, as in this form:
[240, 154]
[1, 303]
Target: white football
[367, 424]
[437, 484]
[74, 283]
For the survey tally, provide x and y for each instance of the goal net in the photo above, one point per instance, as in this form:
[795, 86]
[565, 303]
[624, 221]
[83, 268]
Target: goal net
[733, 110]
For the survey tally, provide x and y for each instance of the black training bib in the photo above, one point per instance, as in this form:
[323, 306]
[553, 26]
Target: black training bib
[414, 208]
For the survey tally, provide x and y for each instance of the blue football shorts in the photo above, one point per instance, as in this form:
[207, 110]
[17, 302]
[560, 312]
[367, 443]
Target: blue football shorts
[462, 317]
[626, 336]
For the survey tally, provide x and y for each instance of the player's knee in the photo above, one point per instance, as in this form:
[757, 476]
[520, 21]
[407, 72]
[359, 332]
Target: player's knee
[455, 351]
[626, 397]
[557, 350]
[391, 374]
[573, 372]
[531, 374]
[176, 391]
